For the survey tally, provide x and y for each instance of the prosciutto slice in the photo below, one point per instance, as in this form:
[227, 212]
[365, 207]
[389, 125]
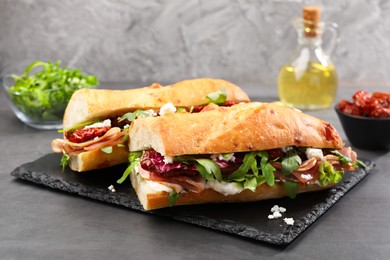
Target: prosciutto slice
[194, 184]
[112, 137]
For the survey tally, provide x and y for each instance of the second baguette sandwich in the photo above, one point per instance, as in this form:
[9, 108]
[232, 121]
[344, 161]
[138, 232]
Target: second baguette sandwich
[96, 121]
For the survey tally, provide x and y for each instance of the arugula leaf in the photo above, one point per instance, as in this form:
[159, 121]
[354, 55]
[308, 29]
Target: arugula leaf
[134, 159]
[329, 174]
[362, 164]
[173, 196]
[44, 95]
[135, 156]
[127, 172]
[131, 116]
[251, 183]
[254, 168]
[206, 167]
[217, 97]
[268, 173]
[181, 110]
[264, 158]
[107, 149]
[65, 159]
[248, 161]
[77, 126]
[345, 160]
[291, 162]
[260, 180]
[291, 189]
[227, 156]
[210, 169]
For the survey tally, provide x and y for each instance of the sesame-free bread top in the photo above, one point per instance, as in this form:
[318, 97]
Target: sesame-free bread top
[243, 127]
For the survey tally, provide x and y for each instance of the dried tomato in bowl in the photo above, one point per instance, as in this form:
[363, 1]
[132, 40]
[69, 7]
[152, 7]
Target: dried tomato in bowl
[376, 104]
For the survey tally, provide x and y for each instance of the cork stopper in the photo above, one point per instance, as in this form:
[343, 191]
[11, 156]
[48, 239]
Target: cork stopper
[311, 17]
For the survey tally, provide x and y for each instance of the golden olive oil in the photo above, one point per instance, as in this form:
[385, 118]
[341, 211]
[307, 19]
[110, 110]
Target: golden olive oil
[313, 88]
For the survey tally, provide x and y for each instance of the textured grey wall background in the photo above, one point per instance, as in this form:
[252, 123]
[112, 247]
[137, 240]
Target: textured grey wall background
[245, 41]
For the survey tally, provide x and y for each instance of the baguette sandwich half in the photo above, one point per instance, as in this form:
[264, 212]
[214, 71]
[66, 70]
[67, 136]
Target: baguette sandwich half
[96, 121]
[247, 152]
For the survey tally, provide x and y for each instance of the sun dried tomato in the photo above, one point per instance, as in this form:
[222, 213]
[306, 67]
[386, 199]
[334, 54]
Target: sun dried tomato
[349, 108]
[361, 98]
[86, 134]
[229, 103]
[367, 104]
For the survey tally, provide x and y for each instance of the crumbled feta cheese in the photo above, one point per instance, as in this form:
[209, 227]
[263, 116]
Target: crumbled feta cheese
[126, 126]
[223, 157]
[277, 214]
[167, 108]
[105, 123]
[277, 211]
[168, 159]
[224, 188]
[286, 148]
[289, 221]
[151, 112]
[307, 177]
[111, 188]
[314, 152]
[282, 210]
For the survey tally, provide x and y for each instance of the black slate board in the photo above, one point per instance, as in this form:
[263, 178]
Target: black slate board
[244, 219]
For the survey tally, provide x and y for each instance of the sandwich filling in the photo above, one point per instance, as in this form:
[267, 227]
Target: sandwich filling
[231, 173]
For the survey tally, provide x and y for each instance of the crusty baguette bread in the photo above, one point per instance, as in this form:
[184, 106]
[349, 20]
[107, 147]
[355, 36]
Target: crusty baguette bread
[151, 199]
[97, 159]
[243, 127]
[89, 104]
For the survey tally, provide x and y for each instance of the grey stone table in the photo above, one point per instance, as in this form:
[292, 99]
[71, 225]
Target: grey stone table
[40, 223]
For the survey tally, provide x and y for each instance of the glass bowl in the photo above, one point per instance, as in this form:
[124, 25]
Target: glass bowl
[366, 132]
[35, 109]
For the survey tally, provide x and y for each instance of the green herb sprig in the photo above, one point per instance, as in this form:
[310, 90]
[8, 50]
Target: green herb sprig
[131, 116]
[217, 97]
[206, 167]
[134, 160]
[65, 160]
[262, 172]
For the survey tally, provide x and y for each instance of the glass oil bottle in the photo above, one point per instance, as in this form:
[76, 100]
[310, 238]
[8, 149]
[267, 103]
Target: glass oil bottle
[309, 80]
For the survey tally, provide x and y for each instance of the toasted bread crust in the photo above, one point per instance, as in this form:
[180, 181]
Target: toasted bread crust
[243, 127]
[89, 104]
[154, 200]
[97, 159]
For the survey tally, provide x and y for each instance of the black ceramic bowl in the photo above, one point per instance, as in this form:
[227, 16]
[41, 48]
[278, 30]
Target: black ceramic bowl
[366, 132]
